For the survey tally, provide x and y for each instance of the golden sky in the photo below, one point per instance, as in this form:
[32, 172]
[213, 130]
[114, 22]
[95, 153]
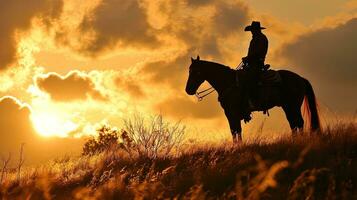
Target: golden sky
[67, 66]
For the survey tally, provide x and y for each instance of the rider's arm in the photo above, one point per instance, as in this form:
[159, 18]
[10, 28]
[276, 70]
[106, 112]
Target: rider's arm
[258, 48]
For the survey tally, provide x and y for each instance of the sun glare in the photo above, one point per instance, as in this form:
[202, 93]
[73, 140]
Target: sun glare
[50, 124]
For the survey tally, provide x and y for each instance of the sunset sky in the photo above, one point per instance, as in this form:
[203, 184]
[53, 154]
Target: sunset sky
[67, 66]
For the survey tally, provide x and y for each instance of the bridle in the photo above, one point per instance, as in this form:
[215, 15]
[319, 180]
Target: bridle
[203, 93]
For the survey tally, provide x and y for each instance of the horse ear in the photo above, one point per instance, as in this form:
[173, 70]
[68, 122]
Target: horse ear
[192, 60]
[198, 57]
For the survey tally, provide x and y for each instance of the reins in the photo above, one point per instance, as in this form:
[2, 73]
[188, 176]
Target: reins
[208, 90]
[203, 93]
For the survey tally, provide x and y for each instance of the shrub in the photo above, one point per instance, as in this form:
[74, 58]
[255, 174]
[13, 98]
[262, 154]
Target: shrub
[107, 139]
[152, 137]
[147, 138]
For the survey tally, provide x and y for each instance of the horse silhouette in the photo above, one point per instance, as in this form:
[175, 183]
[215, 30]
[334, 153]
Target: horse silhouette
[289, 94]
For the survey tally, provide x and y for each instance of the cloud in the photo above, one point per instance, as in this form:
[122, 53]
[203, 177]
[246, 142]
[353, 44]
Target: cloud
[117, 23]
[15, 124]
[200, 35]
[72, 87]
[168, 71]
[230, 17]
[155, 25]
[328, 57]
[199, 2]
[131, 86]
[201, 28]
[16, 16]
[350, 5]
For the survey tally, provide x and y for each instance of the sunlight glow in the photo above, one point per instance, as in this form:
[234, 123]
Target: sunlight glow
[50, 124]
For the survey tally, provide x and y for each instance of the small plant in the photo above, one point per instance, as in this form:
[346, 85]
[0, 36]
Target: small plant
[152, 137]
[142, 137]
[21, 161]
[107, 139]
[4, 167]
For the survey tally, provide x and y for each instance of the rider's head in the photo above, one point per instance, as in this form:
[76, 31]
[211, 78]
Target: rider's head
[255, 27]
[255, 31]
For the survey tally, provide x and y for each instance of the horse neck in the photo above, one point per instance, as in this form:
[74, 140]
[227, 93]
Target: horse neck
[220, 77]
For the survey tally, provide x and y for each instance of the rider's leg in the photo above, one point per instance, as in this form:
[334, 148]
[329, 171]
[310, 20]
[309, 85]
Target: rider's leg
[255, 81]
[247, 88]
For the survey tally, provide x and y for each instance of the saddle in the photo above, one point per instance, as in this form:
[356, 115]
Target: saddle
[267, 89]
[270, 77]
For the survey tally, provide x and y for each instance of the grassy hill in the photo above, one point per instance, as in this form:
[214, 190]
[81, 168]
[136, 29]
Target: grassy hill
[306, 167]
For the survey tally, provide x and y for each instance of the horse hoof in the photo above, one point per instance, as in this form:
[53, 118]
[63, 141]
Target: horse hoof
[237, 142]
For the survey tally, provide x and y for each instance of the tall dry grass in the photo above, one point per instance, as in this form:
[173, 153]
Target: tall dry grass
[309, 166]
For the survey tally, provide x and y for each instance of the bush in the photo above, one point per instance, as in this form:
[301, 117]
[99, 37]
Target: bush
[153, 137]
[147, 138]
[107, 139]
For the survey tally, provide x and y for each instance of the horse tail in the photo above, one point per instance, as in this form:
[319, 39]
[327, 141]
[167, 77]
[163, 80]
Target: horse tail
[311, 105]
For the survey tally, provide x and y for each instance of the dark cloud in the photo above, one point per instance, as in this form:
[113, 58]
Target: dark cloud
[170, 72]
[230, 18]
[15, 127]
[73, 86]
[184, 107]
[15, 124]
[126, 23]
[131, 86]
[17, 15]
[117, 22]
[328, 57]
[200, 37]
[199, 2]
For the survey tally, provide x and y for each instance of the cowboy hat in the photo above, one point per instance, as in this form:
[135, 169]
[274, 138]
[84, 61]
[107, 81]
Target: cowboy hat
[254, 26]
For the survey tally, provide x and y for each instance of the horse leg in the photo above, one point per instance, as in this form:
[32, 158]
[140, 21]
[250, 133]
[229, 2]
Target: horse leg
[236, 129]
[295, 119]
[299, 120]
[236, 135]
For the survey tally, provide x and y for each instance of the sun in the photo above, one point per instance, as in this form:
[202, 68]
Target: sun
[48, 118]
[49, 124]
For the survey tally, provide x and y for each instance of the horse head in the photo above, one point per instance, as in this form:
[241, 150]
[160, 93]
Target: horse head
[195, 78]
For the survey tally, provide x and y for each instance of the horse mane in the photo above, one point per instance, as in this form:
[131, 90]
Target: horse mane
[214, 64]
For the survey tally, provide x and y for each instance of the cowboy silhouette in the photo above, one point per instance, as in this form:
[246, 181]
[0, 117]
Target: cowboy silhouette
[258, 47]
[254, 63]
[272, 88]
